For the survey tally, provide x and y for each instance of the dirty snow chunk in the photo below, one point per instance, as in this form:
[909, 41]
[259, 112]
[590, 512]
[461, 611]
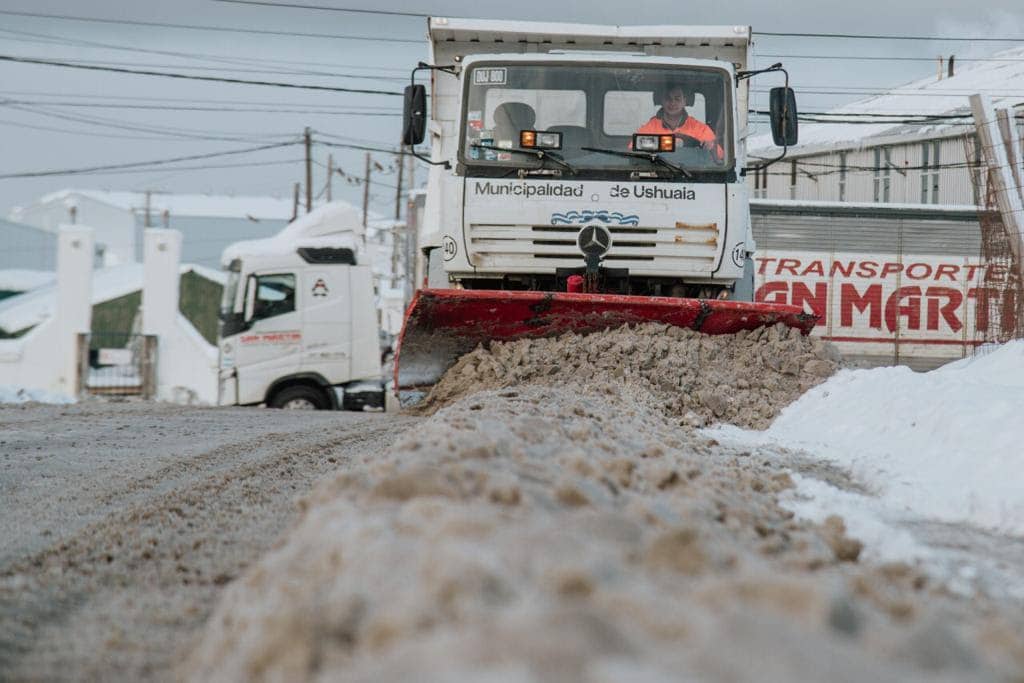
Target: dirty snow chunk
[12, 394]
[545, 534]
[864, 517]
[743, 379]
[945, 445]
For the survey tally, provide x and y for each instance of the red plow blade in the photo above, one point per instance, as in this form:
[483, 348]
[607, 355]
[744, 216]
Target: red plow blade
[442, 324]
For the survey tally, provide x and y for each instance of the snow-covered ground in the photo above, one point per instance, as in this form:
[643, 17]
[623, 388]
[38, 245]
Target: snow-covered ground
[946, 445]
[12, 394]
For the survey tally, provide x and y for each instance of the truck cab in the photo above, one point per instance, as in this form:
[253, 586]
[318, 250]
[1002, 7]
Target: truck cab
[537, 135]
[299, 326]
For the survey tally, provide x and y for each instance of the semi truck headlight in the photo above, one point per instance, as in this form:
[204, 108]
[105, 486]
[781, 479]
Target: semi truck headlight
[534, 139]
[654, 143]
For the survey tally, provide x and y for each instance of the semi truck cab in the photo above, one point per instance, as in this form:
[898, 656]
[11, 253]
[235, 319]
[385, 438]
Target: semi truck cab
[299, 331]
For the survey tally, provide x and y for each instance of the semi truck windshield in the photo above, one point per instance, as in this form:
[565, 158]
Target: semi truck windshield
[596, 107]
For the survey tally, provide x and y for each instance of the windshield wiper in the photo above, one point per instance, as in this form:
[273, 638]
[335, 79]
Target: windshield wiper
[541, 154]
[653, 157]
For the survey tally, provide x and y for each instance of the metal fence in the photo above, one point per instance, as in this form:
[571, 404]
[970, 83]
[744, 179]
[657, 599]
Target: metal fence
[117, 364]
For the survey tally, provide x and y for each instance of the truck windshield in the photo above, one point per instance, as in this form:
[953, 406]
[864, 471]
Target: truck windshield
[600, 107]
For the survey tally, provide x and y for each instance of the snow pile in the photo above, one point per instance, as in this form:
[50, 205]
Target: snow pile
[743, 379]
[549, 534]
[12, 394]
[946, 445]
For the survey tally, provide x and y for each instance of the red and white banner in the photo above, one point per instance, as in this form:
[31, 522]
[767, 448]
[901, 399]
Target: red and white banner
[864, 299]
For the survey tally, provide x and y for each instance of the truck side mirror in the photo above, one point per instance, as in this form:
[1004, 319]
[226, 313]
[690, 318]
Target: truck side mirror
[782, 104]
[250, 299]
[414, 116]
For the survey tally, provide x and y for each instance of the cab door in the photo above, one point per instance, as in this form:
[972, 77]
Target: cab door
[327, 323]
[271, 345]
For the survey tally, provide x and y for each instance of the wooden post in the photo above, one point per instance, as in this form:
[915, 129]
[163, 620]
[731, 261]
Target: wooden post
[366, 190]
[1008, 129]
[1008, 199]
[308, 134]
[330, 174]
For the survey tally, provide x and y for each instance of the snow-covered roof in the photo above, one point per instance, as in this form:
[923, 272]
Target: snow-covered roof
[1002, 79]
[23, 279]
[34, 306]
[335, 224]
[204, 205]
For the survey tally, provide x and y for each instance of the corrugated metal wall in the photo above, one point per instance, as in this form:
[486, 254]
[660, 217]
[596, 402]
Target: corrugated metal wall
[800, 246]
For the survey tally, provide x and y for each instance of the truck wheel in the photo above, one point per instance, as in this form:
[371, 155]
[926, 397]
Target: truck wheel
[299, 397]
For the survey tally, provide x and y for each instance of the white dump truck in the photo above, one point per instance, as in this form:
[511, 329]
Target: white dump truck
[299, 326]
[583, 177]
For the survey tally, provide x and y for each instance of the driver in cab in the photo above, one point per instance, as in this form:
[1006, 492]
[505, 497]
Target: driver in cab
[673, 118]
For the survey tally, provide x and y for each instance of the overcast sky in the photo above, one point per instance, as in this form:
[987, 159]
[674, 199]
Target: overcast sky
[40, 129]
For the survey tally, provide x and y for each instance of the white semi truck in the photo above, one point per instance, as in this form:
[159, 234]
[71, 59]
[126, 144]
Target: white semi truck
[567, 190]
[299, 326]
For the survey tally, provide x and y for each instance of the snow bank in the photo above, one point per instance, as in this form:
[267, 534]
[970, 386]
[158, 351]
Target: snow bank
[12, 394]
[946, 445]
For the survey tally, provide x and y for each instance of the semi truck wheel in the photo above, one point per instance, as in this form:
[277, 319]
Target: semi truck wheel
[299, 397]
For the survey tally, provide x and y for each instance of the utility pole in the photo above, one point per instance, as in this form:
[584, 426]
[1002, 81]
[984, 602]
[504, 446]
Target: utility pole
[295, 202]
[149, 196]
[366, 190]
[398, 236]
[309, 169]
[330, 174]
[400, 160]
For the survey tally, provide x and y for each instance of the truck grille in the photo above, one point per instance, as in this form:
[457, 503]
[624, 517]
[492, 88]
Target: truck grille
[686, 249]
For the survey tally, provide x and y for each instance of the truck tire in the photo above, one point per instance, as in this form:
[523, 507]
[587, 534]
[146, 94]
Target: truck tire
[298, 397]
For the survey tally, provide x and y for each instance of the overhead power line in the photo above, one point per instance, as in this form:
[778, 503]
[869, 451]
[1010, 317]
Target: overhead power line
[171, 107]
[350, 10]
[199, 27]
[191, 77]
[136, 164]
[882, 58]
[869, 36]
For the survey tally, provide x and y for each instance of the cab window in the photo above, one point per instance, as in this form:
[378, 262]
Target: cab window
[275, 295]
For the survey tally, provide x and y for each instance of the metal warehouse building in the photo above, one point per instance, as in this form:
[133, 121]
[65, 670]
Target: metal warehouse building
[904, 147]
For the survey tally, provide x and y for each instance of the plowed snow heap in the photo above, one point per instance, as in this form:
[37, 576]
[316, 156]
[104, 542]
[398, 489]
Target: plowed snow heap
[743, 379]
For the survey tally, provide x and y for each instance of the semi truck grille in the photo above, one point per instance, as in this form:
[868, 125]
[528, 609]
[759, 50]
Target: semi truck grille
[646, 249]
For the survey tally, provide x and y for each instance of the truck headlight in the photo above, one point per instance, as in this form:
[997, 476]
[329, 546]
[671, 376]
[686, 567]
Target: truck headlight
[654, 143]
[532, 139]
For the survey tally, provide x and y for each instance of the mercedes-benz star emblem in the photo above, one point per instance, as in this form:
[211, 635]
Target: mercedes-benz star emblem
[594, 240]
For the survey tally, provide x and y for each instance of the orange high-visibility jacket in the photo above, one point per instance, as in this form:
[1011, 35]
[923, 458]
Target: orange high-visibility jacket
[690, 126]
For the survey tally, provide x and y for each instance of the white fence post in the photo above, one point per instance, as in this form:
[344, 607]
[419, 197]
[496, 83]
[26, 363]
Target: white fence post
[75, 245]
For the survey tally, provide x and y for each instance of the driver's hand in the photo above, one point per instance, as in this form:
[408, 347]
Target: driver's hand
[709, 145]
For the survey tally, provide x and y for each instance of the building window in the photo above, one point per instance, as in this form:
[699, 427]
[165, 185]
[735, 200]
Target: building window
[760, 183]
[883, 174]
[924, 172]
[930, 171]
[842, 176]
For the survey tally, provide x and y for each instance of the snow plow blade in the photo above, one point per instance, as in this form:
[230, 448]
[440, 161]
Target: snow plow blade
[443, 324]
